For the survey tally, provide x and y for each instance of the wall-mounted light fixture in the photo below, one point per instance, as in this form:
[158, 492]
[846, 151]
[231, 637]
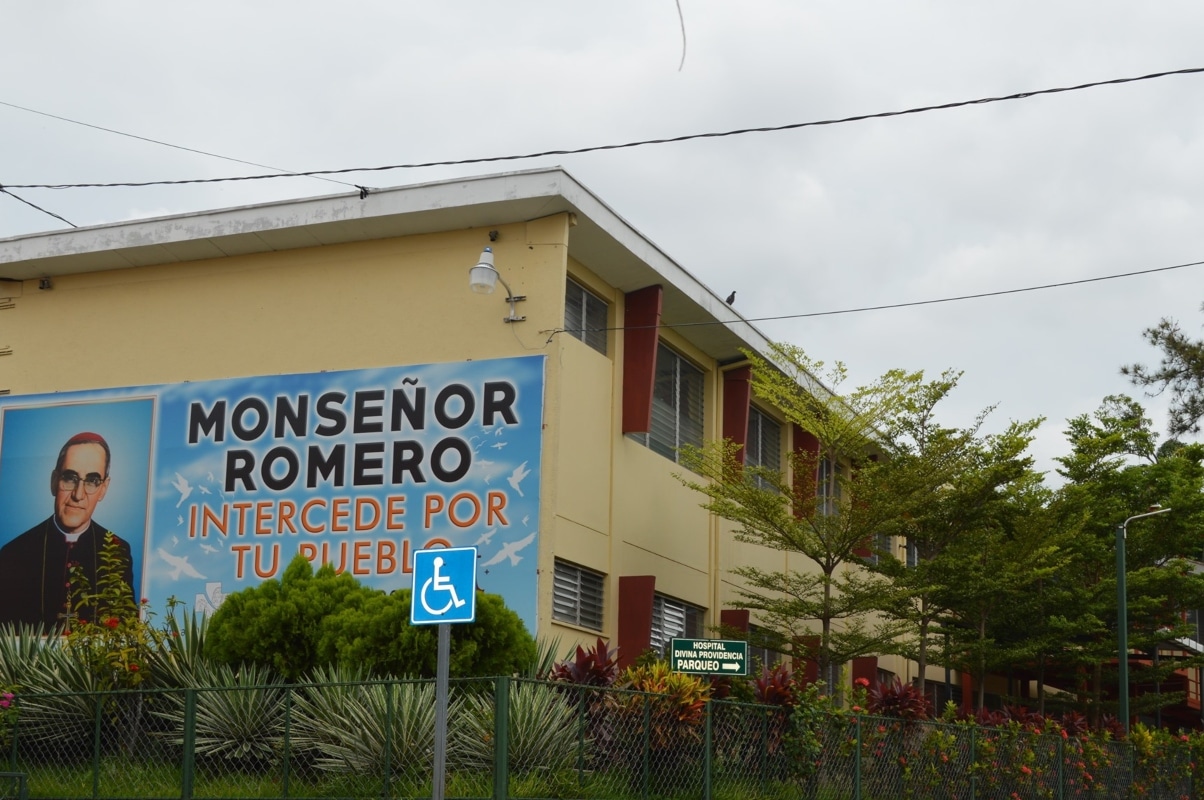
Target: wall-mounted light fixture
[483, 277]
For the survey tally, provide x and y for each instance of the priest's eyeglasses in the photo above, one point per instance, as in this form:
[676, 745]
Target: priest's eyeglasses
[69, 479]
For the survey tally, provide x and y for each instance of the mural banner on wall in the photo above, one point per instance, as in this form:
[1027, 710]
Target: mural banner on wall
[215, 486]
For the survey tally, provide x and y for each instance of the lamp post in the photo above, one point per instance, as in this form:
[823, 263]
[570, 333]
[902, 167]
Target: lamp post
[1122, 614]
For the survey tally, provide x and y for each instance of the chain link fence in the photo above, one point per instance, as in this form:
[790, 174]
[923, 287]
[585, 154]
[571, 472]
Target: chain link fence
[510, 738]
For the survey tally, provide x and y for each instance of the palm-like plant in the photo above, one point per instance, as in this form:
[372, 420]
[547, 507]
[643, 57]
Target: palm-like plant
[239, 714]
[350, 726]
[542, 735]
[61, 693]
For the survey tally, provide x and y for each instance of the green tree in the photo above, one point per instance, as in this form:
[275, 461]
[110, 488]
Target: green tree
[307, 619]
[980, 478]
[830, 597]
[989, 577]
[1116, 469]
[1181, 370]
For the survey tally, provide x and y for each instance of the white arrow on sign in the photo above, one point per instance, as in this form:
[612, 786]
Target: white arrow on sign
[730, 667]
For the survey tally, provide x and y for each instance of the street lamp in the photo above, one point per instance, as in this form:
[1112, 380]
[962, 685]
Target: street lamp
[1122, 613]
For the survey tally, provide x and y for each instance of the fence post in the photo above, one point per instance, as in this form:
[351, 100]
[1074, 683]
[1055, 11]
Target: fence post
[1061, 756]
[288, 745]
[581, 723]
[100, 703]
[501, 737]
[973, 762]
[388, 754]
[707, 761]
[647, 742]
[188, 764]
[857, 758]
[764, 759]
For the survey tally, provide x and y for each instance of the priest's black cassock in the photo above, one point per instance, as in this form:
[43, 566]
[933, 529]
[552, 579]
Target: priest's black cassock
[34, 572]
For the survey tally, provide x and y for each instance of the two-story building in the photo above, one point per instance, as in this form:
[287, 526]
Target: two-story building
[318, 376]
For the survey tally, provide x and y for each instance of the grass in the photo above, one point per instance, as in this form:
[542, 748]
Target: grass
[120, 778]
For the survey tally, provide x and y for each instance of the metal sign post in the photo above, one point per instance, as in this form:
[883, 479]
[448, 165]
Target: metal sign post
[445, 583]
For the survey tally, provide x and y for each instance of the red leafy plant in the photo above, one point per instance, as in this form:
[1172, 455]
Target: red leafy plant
[899, 700]
[597, 666]
[775, 687]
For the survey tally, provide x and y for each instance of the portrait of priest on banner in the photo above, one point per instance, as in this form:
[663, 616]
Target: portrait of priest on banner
[52, 568]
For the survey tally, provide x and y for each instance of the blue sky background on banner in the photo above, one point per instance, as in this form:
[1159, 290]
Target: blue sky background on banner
[35, 428]
[201, 570]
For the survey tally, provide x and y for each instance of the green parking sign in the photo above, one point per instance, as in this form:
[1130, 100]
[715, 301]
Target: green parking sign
[708, 656]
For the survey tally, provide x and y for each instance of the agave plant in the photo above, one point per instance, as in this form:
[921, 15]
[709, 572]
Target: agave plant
[62, 695]
[239, 714]
[546, 651]
[345, 725]
[542, 735]
[21, 648]
[179, 659]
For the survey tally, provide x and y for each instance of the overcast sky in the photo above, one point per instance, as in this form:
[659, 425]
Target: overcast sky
[978, 199]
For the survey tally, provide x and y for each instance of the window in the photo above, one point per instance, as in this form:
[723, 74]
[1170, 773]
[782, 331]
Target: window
[764, 445]
[585, 316]
[577, 595]
[676, 405]
[882, 544]
[828, 487]
[913, 554]
[761, 655]
[672, 618]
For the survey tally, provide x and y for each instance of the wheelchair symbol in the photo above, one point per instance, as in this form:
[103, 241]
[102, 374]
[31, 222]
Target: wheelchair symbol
[438, 582]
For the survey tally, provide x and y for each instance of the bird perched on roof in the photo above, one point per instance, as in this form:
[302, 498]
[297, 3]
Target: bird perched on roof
[731, 298]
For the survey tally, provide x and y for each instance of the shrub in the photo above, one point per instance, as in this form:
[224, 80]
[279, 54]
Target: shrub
[677, 708]
[277, 623]
[308, 620]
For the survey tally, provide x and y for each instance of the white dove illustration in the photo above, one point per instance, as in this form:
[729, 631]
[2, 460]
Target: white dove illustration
[517, 476]
[510, 550]
[183, 487]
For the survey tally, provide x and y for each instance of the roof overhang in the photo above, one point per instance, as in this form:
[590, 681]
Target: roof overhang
[601, 240]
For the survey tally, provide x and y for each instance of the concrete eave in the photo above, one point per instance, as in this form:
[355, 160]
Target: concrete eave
[601, 240]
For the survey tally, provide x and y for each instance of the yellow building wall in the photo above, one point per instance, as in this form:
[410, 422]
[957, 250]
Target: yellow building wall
[608, 503]
[393, 301]
[349, 306]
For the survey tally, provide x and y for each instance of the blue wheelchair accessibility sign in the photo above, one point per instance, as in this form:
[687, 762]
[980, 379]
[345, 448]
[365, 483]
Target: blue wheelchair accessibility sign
[445, 586]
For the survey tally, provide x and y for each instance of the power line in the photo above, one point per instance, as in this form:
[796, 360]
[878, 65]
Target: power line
[890, 305]
[641, 143]
[165, 144]
[4, 190]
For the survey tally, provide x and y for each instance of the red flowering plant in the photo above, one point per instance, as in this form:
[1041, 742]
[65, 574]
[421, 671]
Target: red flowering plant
[858, 697]
[8, 715]
[1162, 762]
[106, 629]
